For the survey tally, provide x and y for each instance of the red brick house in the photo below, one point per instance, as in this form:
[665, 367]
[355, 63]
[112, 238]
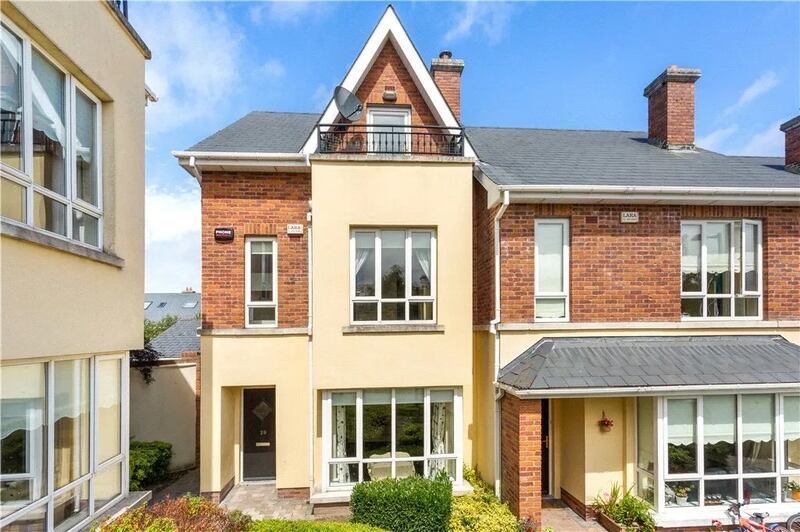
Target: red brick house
[625, 307]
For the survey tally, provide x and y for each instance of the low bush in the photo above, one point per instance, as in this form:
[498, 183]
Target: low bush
[480, 510]
[187, 514]
[280, 525]
[411, 504]
[149, 463]
[625, 509]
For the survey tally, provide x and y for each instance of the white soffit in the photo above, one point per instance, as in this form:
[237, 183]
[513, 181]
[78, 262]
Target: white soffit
[388, 28]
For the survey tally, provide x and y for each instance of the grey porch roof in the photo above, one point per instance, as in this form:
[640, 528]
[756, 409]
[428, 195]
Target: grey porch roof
[511, 156]
[178, 339]
[522, 156]
[653, 361]
[262, 132]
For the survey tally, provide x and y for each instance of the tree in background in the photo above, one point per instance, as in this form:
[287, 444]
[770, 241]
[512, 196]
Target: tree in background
[144, 359]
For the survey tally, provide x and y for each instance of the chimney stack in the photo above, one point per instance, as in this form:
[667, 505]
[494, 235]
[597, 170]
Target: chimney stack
[791, 160]
[670, 108]
[446, 72]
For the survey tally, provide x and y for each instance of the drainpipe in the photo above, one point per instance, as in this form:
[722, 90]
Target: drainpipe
[493, 330]
[195, 170]
[310, 354]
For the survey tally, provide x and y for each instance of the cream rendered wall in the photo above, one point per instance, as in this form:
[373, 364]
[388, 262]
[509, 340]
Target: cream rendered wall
[230, 363]
[484, 440]
[85, 306]
[570, 458]
[165, 410]
[438, 195]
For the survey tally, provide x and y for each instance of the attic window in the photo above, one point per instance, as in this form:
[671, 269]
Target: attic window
[147, 304]
[190, 304]
[162, 304]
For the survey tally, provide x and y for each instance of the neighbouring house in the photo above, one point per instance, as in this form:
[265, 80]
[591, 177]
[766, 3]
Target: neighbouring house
[183, 305]
[401, 295]
[72, 236]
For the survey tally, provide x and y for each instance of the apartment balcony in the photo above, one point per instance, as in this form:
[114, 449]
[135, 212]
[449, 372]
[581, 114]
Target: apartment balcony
[385, 139]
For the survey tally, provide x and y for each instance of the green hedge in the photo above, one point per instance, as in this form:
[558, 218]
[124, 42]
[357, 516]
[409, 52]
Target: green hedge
[149, 463]
[481, 510]
[280, 525]
[412, 504]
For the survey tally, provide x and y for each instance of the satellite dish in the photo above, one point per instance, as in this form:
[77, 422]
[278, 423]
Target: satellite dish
[347, 103]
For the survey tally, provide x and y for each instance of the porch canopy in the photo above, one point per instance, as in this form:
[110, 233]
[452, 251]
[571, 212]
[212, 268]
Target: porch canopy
[651, 364]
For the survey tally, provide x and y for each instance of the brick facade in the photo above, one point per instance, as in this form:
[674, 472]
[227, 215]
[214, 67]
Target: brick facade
[629, 272]
[253, 205]
[791, 130]
[482, 257]
[521, 455]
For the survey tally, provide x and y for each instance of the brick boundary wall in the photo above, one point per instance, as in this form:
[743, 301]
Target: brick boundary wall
[629, 272]
[520, 450]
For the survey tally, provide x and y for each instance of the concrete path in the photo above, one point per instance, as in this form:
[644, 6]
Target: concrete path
[261, 501]
[189, 482]
[565, 520]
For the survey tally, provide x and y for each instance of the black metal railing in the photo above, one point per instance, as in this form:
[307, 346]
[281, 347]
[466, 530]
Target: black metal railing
[379, 139]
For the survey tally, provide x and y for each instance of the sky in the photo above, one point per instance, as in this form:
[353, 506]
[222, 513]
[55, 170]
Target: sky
[574, 65]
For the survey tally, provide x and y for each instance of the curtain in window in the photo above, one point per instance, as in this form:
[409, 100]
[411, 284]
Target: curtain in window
[47, 86]
[441, 428]
[342, 470]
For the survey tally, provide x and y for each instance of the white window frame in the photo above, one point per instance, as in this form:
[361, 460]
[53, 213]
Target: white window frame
[564, 294]
[327, 421]
[409, 298]
[260, 304]
[48, 492]
[703, 294]
[24, 177]
[662, 476]
[371, 124]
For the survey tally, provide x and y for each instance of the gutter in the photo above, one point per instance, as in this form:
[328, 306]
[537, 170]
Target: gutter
[192, 161]
[645, 390]
[493, 330]
[310, 353]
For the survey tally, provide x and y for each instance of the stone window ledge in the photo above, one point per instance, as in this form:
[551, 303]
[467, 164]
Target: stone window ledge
[393, 329]
[33, 236]
[275, 331]
[688, 325]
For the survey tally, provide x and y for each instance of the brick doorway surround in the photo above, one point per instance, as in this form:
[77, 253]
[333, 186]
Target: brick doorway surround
[521, 456]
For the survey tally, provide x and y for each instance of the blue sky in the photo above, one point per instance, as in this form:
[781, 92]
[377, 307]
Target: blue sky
[546, 64]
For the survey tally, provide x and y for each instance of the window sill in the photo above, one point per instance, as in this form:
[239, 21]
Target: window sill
[34, 236]
[686, 517]
[397, 328]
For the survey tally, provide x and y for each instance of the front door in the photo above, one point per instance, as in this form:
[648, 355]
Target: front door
[545, 452]
[258, 434]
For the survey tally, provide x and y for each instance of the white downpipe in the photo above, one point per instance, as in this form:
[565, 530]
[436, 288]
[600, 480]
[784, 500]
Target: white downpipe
[310, 354]
[496, 333]
[195, 170]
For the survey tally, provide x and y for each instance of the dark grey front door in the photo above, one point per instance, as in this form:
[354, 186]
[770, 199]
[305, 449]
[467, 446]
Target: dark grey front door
[258, 431]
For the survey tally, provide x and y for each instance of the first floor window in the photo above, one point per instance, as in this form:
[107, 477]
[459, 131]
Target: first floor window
[719, 449]
[391, 433]
[261, 276]
[721, 269]
[393, 275]
[51, 178]
[551, 269]
[51, 415]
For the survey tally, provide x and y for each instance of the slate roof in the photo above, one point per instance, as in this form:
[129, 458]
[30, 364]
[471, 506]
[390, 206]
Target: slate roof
[616, 361]
[178, 339]
[524, 156]
[163, 304]
[262, 132]
[516, 156]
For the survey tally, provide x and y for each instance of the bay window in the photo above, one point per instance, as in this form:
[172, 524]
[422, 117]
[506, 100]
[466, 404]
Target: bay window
[261, 275]
[721, 269]
[390, 433]
[63, 445]
[713, 450]
[50, 163]
[393, 275]
[551, 269]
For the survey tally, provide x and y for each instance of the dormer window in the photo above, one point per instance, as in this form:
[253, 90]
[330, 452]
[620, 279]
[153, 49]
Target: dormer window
[388, 130]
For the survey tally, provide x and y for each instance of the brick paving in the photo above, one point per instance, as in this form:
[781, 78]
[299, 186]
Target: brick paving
[260, 501]
[565, 520]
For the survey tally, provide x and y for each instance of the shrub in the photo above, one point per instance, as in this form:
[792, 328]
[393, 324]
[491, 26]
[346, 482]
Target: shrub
[149, 463]
[626, 509]
[480, 510]
[411, 504]
[280, 525]
[187, 514]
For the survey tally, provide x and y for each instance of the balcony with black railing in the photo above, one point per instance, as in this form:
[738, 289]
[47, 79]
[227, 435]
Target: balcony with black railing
[386, 139]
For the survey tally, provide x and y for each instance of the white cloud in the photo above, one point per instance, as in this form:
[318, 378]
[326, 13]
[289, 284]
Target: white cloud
[195, 65]
[287, 12]
[273, 68]
[172, 239]
[715, 140]
[769, 141]
[490, 19]
[763, 84]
